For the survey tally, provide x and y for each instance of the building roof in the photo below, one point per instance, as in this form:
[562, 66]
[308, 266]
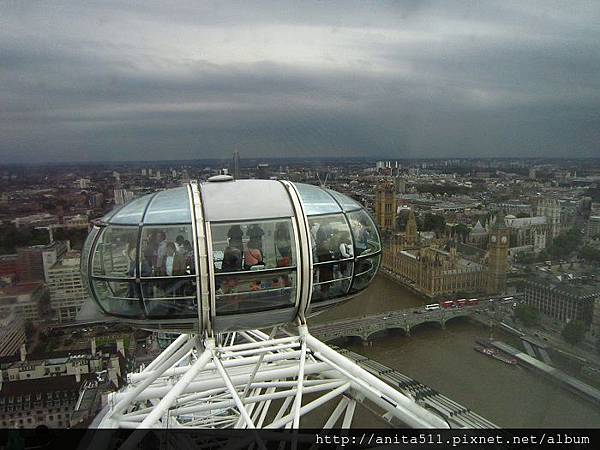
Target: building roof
[522, 222]
[568, 284]
[478, 228]
[44, 385]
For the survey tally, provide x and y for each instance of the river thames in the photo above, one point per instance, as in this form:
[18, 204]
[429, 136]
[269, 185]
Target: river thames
[509, 396]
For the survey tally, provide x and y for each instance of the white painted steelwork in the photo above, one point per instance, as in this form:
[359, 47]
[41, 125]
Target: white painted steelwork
[256, 381]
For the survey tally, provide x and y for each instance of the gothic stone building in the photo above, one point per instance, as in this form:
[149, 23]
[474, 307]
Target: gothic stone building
[437, 270]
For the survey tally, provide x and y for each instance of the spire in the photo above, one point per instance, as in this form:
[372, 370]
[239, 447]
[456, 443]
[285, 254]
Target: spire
[411, 228]
[500, 223]
[478, 228]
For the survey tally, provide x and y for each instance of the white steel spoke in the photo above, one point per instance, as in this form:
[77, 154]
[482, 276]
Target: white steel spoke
[298, 399]
[197, 384]
[349, 414]
[336, 414]
[232, 391]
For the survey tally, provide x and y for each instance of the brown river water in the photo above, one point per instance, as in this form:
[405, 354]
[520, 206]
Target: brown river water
[509, 396]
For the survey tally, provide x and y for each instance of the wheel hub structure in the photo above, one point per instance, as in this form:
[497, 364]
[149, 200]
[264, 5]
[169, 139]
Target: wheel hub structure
[254, 380]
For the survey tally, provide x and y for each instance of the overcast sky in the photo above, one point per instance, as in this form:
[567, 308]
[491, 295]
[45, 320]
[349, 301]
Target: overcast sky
[169, 80]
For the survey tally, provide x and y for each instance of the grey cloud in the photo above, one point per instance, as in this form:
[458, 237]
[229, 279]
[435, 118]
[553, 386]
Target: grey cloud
[399, 79]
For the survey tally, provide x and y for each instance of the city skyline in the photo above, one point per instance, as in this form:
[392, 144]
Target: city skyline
[387, 80]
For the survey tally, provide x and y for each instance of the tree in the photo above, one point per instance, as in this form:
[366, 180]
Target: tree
[522, 214]
[75, 235]
[565, 243]
[527, 315]
[462, 231]
[573, 332]
[28, 328]
[12, 237]
[589, 253]
[433, 222]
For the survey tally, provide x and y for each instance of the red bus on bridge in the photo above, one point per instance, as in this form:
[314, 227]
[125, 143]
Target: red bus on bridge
[460, 303]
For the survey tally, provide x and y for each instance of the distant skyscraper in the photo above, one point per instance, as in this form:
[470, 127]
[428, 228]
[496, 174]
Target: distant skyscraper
[532, 173]
[84, 183]
[263, 171]
[235, 169]
[400, 185]
[122, 196]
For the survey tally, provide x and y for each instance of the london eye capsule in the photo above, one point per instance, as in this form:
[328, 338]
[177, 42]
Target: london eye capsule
[229, 255]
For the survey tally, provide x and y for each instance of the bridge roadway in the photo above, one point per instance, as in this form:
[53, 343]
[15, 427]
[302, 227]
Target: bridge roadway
[404, 319]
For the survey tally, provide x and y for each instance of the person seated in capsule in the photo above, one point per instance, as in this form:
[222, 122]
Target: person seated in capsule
[283, 245]
[253, 257]
[232, 259]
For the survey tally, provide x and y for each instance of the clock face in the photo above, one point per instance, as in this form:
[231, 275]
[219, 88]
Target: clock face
[503, 240]
[493, 238]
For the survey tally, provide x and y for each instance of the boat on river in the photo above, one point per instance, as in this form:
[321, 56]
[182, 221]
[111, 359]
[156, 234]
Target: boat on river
[494, 353]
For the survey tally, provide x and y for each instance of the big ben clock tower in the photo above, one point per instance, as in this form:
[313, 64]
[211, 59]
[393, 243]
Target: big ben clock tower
[497, 256]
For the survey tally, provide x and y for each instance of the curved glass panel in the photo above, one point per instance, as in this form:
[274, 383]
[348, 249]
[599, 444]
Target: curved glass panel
[251, 292]
[347, 203]
[315, 200]
[173, 307]
[115, 252]
[331, 280]
[365, 270]
[366, 238]
[132, 213]
[171, 206]
[169, 288]
[251, 246]
[330, 238]
[111, 303]
[106, 217]
[85, 253]
[167, 251]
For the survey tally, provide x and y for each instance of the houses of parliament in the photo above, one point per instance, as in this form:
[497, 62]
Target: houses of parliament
[440, 266]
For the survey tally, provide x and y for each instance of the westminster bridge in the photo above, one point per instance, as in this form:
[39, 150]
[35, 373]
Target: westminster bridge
[405, 319]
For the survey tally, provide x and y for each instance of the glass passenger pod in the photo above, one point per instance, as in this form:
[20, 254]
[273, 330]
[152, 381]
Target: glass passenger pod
[142, 259]
[254, 265]
[345, 245]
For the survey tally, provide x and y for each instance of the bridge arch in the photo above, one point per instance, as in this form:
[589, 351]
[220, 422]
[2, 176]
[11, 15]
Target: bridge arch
[426, 323]
[394, 329]
[455, 316]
